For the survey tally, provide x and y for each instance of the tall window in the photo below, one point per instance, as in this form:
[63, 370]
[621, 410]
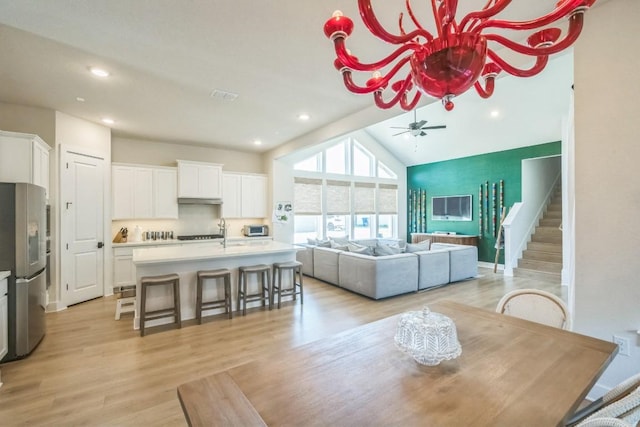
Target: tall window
[361, 204]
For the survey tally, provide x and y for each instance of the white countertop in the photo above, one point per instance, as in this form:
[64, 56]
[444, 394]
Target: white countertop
[4, 274]
[209, 250]
[181, 242]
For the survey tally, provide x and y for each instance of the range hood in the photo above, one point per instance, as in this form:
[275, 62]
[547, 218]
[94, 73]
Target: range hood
[198, 201]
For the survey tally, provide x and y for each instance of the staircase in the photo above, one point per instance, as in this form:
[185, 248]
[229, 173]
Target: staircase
[543, 257]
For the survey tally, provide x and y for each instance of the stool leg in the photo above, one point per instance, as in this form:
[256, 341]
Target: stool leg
[299, 269]
[269, 288]
[199, 300]
[176, 302]
[227, 295]
[293, 283]
[143, 310]
[279, 287]
[239, 290]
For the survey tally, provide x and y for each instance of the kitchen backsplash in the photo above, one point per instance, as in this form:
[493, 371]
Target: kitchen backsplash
[192, 219]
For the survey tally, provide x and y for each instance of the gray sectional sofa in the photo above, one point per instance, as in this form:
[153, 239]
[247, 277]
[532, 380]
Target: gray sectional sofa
[383, 276]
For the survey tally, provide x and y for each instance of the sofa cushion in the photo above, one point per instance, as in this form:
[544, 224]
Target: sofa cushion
[416, 247]
[336, 245]
[340, 240]
[363, 250]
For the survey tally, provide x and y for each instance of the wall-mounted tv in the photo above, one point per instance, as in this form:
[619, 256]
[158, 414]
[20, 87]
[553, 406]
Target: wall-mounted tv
[451, 208]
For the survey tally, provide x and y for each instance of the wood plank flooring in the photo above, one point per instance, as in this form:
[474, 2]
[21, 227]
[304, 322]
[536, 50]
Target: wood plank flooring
[92, 370]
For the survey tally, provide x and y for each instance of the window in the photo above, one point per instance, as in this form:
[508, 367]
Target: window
[327, 205]
[362, 161]
[312, 164]
[336, 159]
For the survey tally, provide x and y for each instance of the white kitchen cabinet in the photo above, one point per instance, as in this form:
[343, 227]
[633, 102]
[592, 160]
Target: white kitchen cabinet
[244, 195]
[124, 271]
[4, 325]
[24, 158]
[231, 195]
[165, 192]
[199, 180]
[142, 192]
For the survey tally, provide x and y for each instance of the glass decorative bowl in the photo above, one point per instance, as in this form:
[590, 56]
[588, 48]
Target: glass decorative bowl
[428, 337]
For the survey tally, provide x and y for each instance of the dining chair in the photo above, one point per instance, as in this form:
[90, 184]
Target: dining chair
[537, 306]
[622, 401]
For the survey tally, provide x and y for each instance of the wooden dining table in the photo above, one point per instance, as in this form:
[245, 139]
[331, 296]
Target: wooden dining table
[511, 372]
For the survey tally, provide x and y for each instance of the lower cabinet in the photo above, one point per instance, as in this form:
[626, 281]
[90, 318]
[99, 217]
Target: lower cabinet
[4, 325]
[124, 272]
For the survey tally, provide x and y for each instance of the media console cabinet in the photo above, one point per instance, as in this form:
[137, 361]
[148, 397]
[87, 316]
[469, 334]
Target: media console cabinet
[459, 239]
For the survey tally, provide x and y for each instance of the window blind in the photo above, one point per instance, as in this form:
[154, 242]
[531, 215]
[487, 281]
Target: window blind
[338, 197]
[364, 198]
[388, 199]
[307, 196]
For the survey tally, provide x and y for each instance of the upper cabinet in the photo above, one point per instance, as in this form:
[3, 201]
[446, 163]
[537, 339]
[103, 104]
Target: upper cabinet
[199, 180]
[24, 158]
[140, 192]
[244, 195]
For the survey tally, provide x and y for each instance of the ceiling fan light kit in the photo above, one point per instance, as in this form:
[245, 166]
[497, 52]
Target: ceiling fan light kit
[455, 59]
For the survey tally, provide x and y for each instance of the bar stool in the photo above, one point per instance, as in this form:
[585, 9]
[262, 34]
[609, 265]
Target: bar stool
[225, 275]
[295, 269]
[172, 280]
[263, 274]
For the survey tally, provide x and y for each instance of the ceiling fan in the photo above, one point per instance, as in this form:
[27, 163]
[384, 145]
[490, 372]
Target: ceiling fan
[417, 128]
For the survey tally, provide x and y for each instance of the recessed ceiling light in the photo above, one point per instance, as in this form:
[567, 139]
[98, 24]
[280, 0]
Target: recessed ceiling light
[303, 116]
[79, 99]
[108, 121]
[257, 142]
[495, 113]
[99, 72]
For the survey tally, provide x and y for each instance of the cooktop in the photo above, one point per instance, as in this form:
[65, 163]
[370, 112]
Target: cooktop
[201, 237]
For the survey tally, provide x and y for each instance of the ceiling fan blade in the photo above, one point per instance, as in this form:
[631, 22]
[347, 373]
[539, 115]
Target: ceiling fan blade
[400, 133]
[418, 125]
[435, 127]
[398, 127]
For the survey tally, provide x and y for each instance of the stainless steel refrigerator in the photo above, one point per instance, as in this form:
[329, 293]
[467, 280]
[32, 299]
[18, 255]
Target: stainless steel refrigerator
[23, 250]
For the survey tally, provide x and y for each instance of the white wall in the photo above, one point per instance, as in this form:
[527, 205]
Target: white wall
[20, 118]
[607, 185]
[127, 150]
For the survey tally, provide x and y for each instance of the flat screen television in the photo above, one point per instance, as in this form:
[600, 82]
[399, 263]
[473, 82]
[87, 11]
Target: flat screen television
[451, 208]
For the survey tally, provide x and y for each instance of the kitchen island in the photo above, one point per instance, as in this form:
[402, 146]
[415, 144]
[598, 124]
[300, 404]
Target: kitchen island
[187, 260]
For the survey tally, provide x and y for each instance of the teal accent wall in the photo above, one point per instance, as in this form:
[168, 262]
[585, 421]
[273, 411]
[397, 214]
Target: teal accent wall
[464, 176]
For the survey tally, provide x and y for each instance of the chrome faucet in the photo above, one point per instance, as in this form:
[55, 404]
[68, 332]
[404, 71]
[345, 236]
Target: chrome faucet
[222, 224]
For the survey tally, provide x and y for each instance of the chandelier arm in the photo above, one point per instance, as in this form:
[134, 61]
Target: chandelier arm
[575, 27]
[412, 16]
[352, 62]
[373, 25]
[410, 106]
[381, 103]
[560, 12]
[487, 91]
[487, 12]
[380, 83]
[541, 62]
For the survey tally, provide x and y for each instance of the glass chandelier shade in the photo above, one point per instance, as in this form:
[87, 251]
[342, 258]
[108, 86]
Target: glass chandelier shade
[456, 58]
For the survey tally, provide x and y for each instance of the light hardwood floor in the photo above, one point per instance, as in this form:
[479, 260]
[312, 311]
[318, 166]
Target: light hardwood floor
[93, 370]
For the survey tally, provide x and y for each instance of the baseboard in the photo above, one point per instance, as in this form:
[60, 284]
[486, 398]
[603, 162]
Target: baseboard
[484, 264]
[54, 306]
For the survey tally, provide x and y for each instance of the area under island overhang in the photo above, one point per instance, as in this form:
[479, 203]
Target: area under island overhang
[186, 260]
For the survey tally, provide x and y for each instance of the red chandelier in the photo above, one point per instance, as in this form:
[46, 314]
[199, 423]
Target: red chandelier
[448, 64]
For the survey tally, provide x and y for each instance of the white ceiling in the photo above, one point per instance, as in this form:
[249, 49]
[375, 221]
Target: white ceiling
[166, 56]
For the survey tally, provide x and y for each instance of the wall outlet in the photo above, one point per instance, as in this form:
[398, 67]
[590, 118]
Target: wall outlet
[624, 345]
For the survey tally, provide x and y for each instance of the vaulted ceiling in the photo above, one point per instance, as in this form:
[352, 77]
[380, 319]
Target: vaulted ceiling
[166, 57]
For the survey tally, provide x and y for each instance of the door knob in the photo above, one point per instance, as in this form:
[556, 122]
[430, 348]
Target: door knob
[100, 245]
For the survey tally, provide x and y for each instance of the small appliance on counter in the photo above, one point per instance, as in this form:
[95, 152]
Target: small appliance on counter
[255, 230]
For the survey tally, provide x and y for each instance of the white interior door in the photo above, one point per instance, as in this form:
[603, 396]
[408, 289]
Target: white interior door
[82, 209]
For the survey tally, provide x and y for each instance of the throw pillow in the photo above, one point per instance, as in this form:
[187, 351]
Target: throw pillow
[324, 243]
[363, 250]
[312, 241]
[341, 240]
[425, 245]
[353, 246]
[335, 245]
[387, 250]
